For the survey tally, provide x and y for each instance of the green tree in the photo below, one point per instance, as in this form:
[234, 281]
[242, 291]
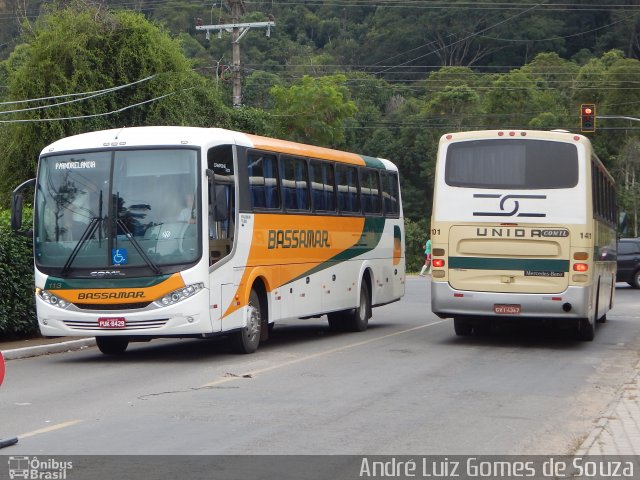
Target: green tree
[80, 49]
[314, 110]
[627, 172]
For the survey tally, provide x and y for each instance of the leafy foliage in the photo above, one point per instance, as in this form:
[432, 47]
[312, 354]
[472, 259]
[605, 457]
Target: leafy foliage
[314, 109]
[17, 305]
[86, 50]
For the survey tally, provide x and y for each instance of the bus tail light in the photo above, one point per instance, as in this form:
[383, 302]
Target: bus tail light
[438, 252]
[580, 267]
[580, 256]
[438, 262]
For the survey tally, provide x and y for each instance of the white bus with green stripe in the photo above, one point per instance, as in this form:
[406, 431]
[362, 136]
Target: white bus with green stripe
[523, 227]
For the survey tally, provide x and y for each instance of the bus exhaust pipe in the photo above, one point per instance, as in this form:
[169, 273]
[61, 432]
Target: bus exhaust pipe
[566, 307]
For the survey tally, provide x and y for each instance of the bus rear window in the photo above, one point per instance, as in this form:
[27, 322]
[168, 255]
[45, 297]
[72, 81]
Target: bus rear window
[512, 164]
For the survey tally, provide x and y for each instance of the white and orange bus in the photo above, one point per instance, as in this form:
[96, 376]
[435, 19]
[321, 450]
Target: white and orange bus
[523, 226]
[151, 232]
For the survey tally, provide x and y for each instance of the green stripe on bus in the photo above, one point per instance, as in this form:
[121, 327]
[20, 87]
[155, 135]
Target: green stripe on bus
[54, 283]
[480, 263]
[373, 162]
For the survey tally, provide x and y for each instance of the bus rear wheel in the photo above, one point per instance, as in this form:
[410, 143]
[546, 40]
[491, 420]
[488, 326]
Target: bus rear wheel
[112, 345]
[355, 319]
[358, 318]
[462, 327]
[586, 330]
[247, 338]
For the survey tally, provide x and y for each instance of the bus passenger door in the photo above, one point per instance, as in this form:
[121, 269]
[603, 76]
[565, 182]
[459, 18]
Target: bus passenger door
[221, 204]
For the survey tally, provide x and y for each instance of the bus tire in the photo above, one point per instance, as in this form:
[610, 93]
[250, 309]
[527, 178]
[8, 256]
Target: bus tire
[358, 318]
[336, 321]
[462, 327]
[586, 330]
[247, 338]
[482, 328]
[112, 345]
[595, 317]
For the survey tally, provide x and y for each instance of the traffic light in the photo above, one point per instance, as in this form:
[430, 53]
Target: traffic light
[587, 117]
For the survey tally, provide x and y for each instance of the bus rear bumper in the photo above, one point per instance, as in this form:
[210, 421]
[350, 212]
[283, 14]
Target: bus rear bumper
[447, 302]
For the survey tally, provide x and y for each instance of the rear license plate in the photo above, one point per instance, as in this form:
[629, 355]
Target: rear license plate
[506, 309]
[112, 322]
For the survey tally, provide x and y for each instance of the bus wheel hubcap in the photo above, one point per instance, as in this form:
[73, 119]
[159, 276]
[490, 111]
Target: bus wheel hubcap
[253, 323]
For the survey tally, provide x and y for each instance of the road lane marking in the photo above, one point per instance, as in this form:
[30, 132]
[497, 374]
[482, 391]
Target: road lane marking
[50, 428]
[253, 373]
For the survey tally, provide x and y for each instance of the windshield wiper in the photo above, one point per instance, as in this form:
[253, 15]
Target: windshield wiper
[86, 235]
[138, 247]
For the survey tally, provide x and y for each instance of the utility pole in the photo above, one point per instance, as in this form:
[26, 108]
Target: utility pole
[238, 30]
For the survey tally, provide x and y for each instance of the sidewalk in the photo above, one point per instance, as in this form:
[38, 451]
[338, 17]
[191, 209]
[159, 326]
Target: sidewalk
[33, 347]
[617, 432]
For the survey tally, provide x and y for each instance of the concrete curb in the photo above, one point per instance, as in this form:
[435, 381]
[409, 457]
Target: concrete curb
[46, 349]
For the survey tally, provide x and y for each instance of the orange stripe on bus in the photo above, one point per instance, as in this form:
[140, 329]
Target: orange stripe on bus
[303, 150]
[279, 264]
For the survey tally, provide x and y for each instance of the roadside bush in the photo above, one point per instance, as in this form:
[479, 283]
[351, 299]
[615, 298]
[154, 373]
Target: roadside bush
[416, 234]
[17, 304]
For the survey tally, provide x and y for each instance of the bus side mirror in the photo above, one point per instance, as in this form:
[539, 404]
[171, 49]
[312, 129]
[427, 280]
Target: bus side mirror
[17, 202]
[16, 212]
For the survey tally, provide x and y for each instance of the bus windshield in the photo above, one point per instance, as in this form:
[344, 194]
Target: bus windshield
[130, 209]
[513, 164]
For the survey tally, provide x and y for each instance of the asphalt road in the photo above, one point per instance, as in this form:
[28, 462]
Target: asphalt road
[407, 385]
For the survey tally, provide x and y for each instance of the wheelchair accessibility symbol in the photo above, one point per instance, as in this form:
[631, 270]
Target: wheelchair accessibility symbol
[119, 256]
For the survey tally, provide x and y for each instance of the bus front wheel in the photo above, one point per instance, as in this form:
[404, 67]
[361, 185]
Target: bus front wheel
[112, 345]
[247, 338]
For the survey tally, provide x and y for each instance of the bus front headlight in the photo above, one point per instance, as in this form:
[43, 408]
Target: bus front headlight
[179, 295]
[51, 299]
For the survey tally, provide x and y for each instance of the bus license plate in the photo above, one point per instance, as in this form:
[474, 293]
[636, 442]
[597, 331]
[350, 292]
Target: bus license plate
[506, 309]
[112, 322]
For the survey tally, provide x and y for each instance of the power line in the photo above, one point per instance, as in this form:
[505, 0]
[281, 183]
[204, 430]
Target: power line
[85, 95]
[79, 117]
[467, 37]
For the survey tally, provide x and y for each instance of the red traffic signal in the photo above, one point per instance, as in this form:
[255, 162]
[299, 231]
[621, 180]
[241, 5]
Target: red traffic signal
[588, 117]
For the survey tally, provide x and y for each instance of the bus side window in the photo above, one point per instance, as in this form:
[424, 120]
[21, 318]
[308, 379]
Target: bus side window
[263, 180]
[390, 193]
[323, 186]
[347, 182]
[294, 183]
[370, 191]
